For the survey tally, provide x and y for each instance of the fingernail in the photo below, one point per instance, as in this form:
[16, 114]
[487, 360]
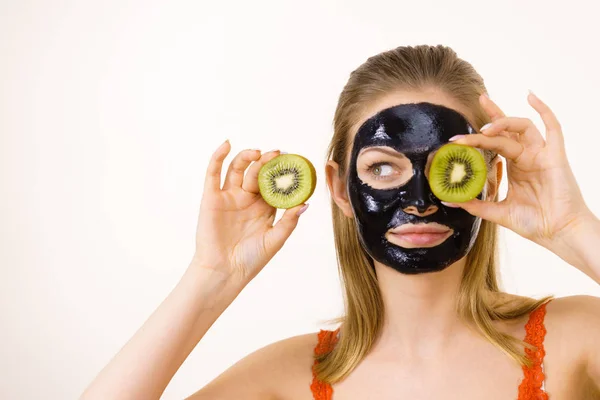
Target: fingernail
[485, 126]
[271, 151]
[452, 205]
[530, 92]
[283, 152]
[457, 137]
[300, 211]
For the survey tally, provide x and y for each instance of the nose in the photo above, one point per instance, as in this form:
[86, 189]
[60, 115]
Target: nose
[421, 211]
[420, 200]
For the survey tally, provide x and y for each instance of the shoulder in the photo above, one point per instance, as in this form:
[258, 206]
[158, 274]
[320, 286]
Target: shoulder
[574, 321]
[575, 316]
[573, 326]
[280, 370]
[569, 310]
[572, 348]
[571, 320]
[287, 365]
[293, 353]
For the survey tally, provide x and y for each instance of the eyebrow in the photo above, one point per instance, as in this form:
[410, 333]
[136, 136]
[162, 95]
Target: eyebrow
[392, 153]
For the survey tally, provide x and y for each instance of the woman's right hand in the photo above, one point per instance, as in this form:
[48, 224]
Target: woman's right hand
[235, 233]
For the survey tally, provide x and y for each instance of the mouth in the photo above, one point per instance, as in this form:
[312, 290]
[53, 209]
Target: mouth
[412, 236]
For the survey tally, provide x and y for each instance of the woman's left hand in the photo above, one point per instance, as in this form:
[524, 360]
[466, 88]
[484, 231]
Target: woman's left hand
[543, 199]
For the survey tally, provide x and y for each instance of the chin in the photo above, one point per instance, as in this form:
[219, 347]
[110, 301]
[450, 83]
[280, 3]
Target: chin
[417, 260]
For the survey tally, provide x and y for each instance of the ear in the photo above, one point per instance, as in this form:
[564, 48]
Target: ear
[494, 178]
[337, 188]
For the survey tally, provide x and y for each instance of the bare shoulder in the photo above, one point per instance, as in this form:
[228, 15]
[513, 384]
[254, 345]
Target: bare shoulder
[562, 310]
[572, 323]
[279, 371]
[573, 326]
[575, 316]
[572, 360]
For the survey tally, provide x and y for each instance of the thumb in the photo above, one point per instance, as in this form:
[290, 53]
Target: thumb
[281, 231]
[489, 210]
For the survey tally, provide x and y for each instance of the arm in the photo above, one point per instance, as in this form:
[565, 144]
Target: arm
[579, 245]
[544, 204]
[146, 364]
[236, 237]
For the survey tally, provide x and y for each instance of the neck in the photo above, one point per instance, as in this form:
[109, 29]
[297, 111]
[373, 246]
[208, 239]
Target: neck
[420, 316]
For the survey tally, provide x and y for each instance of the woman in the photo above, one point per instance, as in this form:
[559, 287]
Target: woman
[424, 317]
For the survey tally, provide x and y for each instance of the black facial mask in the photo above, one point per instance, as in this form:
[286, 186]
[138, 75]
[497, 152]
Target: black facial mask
[414, 130]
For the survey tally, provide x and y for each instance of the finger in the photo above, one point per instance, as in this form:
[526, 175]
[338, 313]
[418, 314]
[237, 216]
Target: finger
[235, 172]
[494, 111]
[510, 124]
[251, 179]
[489, 210]
[281, 231]
[554, 134]
[506, 147]
[213, 172]
[490, 107]
[524, 127]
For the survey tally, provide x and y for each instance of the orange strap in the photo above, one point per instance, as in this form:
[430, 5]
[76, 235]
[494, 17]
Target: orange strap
[531, 386]
[327, 339]
[529, 389]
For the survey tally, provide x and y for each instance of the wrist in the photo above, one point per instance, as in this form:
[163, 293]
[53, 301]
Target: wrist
[577, 241]
[579, 229]
[211, 283]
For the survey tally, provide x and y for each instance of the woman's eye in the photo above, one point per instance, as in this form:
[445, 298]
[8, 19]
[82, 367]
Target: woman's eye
[381, 170]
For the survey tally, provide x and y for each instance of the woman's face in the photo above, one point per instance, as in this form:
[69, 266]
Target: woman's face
[401, 223]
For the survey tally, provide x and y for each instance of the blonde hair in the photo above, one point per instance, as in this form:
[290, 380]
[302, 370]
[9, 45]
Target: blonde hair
[411, 68]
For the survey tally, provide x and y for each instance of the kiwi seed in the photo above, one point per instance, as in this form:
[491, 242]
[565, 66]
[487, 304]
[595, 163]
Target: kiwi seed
[287, 181]
[457, 173]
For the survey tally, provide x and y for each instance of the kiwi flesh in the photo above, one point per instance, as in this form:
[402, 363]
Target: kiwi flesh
[457, 173]
[287, 180]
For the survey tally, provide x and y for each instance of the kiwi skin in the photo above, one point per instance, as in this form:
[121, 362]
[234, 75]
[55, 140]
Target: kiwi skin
[445, 161]
[281, 200]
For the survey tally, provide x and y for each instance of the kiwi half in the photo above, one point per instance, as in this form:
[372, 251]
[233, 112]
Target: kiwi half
[457, 173]
[287, 181]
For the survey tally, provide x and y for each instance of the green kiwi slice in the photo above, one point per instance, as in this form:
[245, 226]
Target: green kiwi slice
[287, 181]
[457, 173]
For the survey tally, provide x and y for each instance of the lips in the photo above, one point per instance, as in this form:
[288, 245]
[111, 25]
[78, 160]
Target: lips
[420, 228]
[419, 235]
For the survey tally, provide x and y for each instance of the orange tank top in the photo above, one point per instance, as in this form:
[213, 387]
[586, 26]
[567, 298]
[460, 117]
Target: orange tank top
[531, 388]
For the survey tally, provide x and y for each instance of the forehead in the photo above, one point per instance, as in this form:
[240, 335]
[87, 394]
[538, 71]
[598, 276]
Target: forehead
[406, 97]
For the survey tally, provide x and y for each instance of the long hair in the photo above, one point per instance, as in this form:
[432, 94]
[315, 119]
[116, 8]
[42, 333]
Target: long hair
[411, 68]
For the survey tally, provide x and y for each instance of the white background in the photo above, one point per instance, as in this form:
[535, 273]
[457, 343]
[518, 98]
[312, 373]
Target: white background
[109, 111]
